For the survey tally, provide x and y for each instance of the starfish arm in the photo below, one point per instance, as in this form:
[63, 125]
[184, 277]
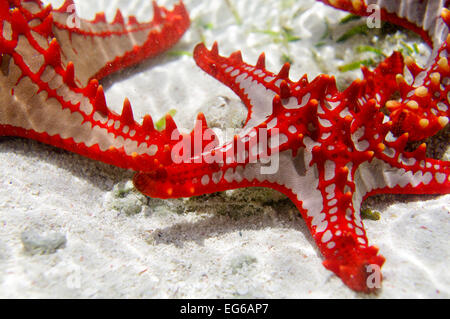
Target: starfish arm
[404, 175]
[200, 164]
[221, 174]
[99, 48]
[254, 85]
[42, 100]
[327, 206]
[342, 240]
[326, 150]
[198, 179]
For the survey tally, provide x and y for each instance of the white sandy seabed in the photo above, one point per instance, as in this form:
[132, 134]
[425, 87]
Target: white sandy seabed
[164, 252]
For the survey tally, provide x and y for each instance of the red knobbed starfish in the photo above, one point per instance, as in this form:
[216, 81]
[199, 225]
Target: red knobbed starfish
[333, 149]
[50, 64]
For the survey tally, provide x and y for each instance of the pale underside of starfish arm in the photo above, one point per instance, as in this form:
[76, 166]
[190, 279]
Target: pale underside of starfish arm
[41, 99]
[99, 48]
[428, 176]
